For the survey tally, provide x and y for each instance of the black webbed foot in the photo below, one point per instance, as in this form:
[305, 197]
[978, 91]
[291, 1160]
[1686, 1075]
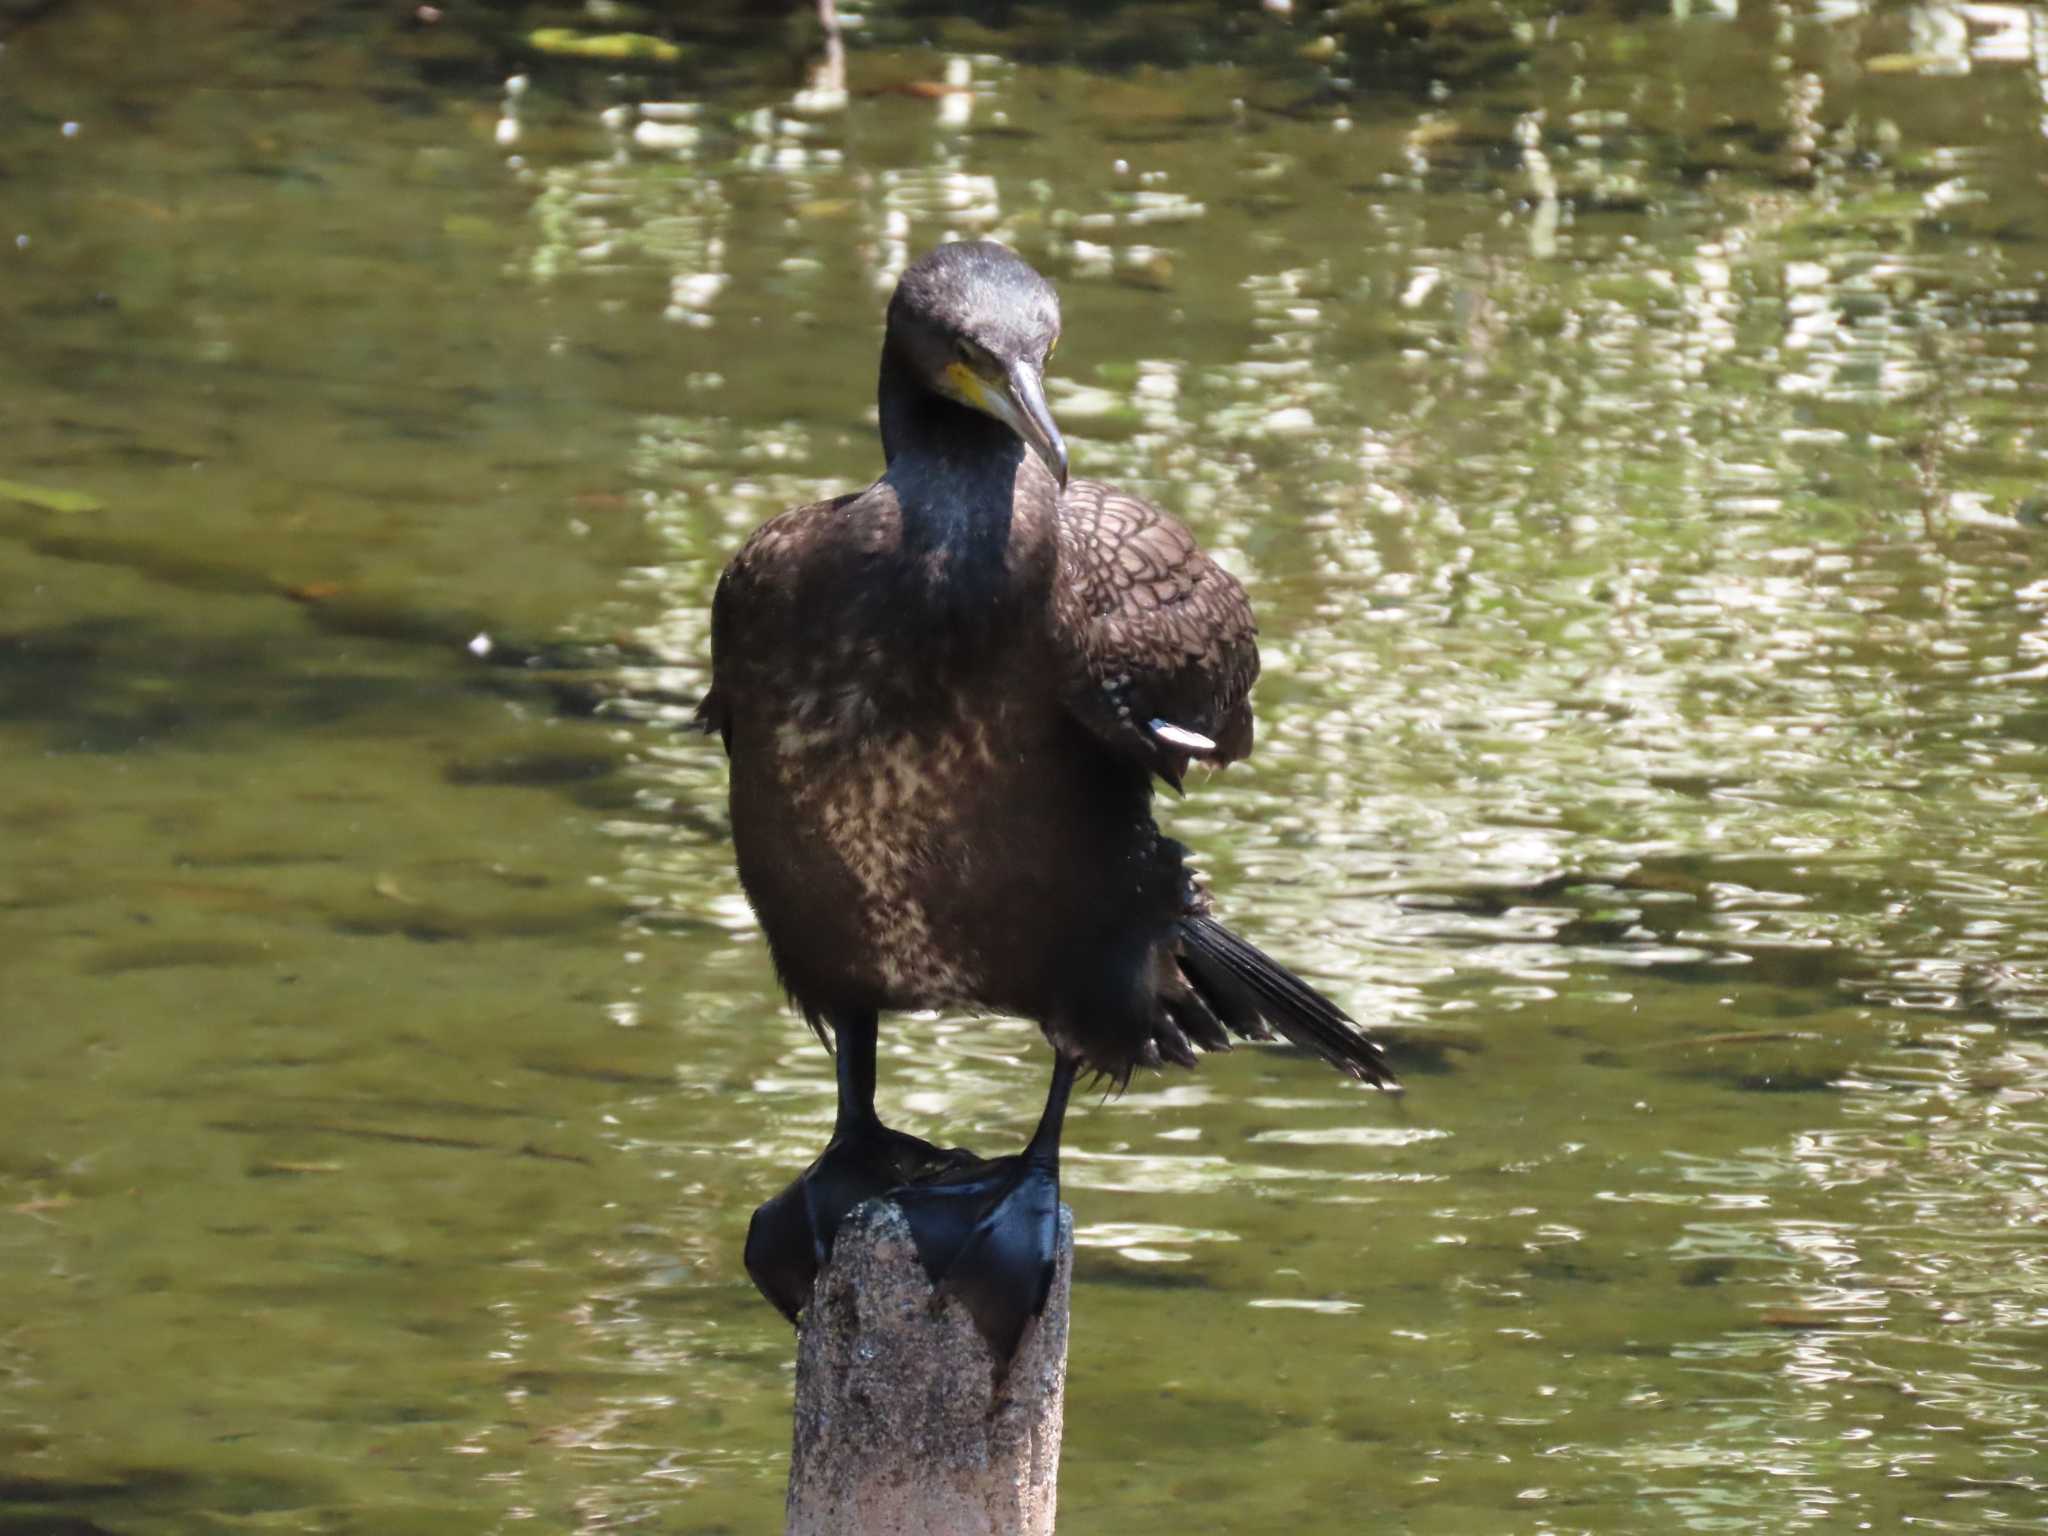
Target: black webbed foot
[989, 1236]
[986, 1232]
[790, 1237]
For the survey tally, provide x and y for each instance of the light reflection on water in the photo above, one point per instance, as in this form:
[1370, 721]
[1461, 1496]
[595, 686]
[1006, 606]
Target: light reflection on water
[1633, 446]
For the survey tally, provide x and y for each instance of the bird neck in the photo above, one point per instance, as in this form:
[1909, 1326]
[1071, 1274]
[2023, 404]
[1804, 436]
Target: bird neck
[957, 475]
[918, 421]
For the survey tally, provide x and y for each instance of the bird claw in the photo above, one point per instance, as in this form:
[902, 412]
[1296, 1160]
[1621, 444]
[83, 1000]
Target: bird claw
[790, 1237]
[989, 1237]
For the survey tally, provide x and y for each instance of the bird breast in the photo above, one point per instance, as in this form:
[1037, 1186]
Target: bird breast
[892, 808]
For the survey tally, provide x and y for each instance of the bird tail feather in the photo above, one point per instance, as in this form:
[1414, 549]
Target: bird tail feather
[1248, 990]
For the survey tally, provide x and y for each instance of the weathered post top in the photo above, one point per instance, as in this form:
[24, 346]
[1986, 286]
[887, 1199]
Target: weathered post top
[904, 1426]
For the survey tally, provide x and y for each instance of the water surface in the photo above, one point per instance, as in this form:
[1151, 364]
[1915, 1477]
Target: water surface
[1630, 424]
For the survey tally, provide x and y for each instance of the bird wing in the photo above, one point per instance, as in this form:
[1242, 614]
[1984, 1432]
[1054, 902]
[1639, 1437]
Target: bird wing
[763, 584]
[714, 711]
[1159, 642]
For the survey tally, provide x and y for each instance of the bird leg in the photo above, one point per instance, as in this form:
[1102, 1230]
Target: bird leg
[790, 1237]
[989, 1234]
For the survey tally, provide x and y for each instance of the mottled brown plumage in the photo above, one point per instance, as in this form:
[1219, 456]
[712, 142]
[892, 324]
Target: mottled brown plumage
[1153, 630]
[945, 699]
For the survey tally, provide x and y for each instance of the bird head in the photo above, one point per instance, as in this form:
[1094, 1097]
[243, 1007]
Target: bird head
[977, 325]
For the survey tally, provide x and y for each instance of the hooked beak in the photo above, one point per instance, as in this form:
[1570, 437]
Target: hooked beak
[1033, 421]
[1018, 402]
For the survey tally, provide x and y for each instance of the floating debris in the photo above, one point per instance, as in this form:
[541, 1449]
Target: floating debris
[49, 498]
[603, 47]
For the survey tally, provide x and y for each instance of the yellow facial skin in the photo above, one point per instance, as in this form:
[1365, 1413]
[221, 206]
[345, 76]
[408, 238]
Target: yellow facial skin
[967, 387]
[1018, 402]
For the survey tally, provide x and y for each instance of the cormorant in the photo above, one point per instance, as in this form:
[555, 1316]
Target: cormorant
[945, 698]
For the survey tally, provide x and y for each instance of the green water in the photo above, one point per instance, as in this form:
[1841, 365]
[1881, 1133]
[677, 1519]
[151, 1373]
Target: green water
[1631, 426]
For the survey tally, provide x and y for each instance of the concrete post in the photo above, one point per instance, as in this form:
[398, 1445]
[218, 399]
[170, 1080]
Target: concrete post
[902, 1428]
